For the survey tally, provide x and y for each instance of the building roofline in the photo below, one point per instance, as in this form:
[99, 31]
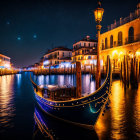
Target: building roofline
[5, 56]
[120, 26]
[128, 19]
[85, 41]
[61, 48]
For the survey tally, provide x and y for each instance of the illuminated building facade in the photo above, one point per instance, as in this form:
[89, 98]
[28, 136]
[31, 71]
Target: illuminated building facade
[85, 51]
[57, 56]
[4, 61]
[122, 39]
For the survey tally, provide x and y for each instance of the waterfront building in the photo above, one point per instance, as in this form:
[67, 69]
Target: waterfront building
[57, 56]
[41, 62]
[85, 51]
[122, 39]
[4, 61]
[36, 66]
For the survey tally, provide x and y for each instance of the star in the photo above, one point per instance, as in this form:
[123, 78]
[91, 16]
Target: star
[8, 23]
[34, 36]
[19, 38]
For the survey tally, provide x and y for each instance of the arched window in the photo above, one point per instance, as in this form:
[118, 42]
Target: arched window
[105, 43]
[131, 35]
[102, 44]
[111, 41]
[119, 38]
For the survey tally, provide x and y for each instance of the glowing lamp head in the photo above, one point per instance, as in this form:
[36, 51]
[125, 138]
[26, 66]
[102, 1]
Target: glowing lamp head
[98, 13]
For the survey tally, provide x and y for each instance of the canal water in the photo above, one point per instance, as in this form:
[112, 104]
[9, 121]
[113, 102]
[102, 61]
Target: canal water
[21, 118]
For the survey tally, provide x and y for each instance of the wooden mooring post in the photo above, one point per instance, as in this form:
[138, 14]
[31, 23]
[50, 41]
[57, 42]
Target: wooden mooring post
[78, 80]
[124, 70]
[128, 75]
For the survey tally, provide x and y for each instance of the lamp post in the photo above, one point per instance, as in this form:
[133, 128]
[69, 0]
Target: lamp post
[98, 13]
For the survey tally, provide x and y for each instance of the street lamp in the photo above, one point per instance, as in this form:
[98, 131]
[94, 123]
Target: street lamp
[98, 13]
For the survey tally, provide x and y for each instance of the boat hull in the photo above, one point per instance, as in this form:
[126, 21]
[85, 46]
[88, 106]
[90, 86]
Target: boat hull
[85, 111]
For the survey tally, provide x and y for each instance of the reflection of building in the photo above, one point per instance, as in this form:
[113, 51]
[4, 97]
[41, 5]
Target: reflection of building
[84, 51]
[122, 39]
[4, 61]
[57, 56]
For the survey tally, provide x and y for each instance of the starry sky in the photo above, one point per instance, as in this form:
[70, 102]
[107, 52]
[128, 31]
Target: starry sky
[28, 28]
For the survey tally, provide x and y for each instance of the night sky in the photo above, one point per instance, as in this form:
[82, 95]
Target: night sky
[28, 28]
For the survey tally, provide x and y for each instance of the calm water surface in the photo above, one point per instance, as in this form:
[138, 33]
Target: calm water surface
[18, 111]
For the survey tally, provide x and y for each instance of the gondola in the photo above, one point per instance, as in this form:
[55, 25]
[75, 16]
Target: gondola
[41, 123]
[82, 111]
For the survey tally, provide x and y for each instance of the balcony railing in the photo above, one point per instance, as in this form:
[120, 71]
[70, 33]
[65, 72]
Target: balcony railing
[122, 21]
[128, 40]
[132, 39]
[80, 47]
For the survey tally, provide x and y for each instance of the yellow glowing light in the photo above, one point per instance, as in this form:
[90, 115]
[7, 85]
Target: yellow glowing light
[98, 13]
[85, 62]
[121, 53]
[114, 52]
[131, 55]
[137, 53]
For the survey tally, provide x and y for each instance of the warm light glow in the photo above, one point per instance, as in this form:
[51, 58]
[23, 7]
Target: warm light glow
[131, 55]
[137, 111]
[7, 65]
[121, 54]
[6, 100]
[114, 52]
[98, 13]
[138, 54]
[117, 111]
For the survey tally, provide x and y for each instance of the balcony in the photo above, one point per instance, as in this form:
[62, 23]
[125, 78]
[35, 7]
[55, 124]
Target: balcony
[132, 39]
[87, 47]
[128, 40]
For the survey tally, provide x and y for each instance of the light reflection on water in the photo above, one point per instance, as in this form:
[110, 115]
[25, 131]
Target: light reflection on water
[6, 101]
[117, 111]
[88, 84]
[122, 121]
[18, 76]
[137, 112]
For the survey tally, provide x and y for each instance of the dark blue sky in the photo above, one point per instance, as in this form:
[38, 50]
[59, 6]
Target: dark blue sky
[28, 28]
